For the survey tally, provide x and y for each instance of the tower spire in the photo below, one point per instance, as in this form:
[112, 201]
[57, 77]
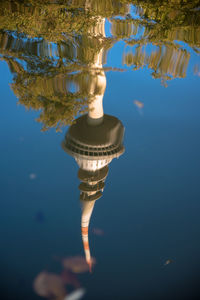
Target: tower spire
[91, 189]
[87, 208]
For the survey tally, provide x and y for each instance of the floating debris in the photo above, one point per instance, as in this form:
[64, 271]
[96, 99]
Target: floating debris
[49, 285]
[32, 176]
[98, 231]
[76, 295]
[169, 261]
[76, 264]
[139, 104]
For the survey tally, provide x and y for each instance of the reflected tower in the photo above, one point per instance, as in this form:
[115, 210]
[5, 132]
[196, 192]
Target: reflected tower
[93, 143]
[94, 140]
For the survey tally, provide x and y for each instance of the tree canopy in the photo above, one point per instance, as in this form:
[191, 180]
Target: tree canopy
[51, 47]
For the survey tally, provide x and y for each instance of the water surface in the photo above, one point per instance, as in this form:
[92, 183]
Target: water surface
[142, 59]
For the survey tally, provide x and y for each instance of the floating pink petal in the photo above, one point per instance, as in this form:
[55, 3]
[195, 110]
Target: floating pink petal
[139, 104]
[49, 285]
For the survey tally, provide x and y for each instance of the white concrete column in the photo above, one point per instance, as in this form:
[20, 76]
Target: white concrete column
[87, 208]
[98, 78]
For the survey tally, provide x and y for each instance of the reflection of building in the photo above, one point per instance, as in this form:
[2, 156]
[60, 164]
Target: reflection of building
[94, 140]
[93, 146]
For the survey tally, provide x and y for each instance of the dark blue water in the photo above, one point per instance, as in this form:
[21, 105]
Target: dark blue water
[149, 213]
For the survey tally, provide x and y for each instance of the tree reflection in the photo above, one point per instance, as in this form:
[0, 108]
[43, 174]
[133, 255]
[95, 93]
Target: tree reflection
[166, 62]
[51, 47]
